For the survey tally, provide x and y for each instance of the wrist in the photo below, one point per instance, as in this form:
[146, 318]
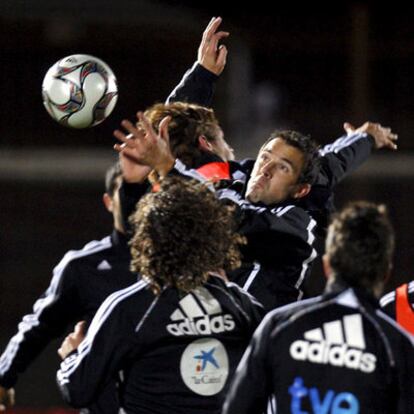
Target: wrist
[212, 70]
[165, 166]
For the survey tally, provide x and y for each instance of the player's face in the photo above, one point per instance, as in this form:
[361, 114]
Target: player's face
[275, 174]
[221, 147]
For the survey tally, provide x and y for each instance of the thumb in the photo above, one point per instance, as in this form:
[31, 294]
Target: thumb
[80, 327]
[222, 56]
[163, 128]
[349, 128]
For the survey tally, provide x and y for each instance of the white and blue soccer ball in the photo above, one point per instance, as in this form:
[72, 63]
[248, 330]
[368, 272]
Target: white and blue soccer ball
[79, 91]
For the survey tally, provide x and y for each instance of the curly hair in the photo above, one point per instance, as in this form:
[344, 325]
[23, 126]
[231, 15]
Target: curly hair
[360, 244]
[181, 234]
[307, 146]
[188, 123]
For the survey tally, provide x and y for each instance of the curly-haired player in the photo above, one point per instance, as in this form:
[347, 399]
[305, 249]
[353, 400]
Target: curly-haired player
[178, 334]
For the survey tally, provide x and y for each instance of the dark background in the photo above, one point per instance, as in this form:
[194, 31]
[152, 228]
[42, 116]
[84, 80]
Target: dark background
[303, 67]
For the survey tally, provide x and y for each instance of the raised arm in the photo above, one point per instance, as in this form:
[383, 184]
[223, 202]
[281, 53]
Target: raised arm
[141, 151]
[197, 84]
[351, 150]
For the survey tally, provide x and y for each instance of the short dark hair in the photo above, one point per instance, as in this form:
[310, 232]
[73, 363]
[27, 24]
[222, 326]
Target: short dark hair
[360, 244]
[188, 123]
[111, 176]
[307, 146]
[181, 234]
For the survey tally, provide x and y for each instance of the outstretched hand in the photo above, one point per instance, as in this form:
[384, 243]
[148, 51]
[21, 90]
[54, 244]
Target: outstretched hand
[144, 145]
[210, 55]
[133, 171]
[383, 136]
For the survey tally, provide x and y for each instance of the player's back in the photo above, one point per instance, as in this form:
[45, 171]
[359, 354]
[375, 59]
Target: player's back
[339, 353]
[177, 351]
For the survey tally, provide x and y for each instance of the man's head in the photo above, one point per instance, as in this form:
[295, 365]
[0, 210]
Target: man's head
[286, 167]
[359, 246]
[193, 130]
[181, 234]
[113, 178]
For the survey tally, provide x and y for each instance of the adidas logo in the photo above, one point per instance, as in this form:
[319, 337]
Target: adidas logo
[104, 265]
[199, 313]
[340, 343]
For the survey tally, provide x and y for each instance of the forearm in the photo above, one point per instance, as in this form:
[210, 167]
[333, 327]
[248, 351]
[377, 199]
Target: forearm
[344, 156]
[196, 86]
[34, 334]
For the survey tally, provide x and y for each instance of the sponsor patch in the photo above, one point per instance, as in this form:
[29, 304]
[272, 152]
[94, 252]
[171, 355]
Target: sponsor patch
[204, 366]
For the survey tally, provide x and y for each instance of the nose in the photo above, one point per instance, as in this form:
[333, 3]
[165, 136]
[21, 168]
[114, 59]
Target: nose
[267, 169]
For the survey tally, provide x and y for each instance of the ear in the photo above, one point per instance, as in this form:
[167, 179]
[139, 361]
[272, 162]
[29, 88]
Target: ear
[327, 269]
[107, 200]
[302, 190]
[204, 144]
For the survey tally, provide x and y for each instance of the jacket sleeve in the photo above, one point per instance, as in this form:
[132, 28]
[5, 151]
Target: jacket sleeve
[253, 310]
[342, 157]
[129, 195]
[196, 86]
[285, 233]
[251, 386]
[273, 235]
[84, 373]
[405, 376]
[51, 315]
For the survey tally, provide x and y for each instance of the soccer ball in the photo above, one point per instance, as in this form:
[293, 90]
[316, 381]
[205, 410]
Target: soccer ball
[79, 91]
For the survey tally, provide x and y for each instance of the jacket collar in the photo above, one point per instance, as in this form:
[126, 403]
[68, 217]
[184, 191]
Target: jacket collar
[120, 242]
[339, 285]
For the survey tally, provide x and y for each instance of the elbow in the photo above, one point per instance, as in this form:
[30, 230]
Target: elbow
[76, 398]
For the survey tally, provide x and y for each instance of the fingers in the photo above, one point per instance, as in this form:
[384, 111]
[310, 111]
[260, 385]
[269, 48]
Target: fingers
[349, 128]
[212, 27]
[206, 30]
[391, 141]
[12, 397]
[119, 147]
[146, 124]
[62, 349]
[130, 138]
[210, 37]
[7, 398]
[215, 39]
[388, 136]
[222, 56]
[394, 137]
[80, 327]
[120, 136]
[131, 128]
[67, 346]
[383, 136]
[126, 152]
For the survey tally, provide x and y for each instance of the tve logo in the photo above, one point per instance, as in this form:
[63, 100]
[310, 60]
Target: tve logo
[330, 403]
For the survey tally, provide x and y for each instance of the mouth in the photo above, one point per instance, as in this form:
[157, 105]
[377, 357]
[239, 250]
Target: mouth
[259, 182]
